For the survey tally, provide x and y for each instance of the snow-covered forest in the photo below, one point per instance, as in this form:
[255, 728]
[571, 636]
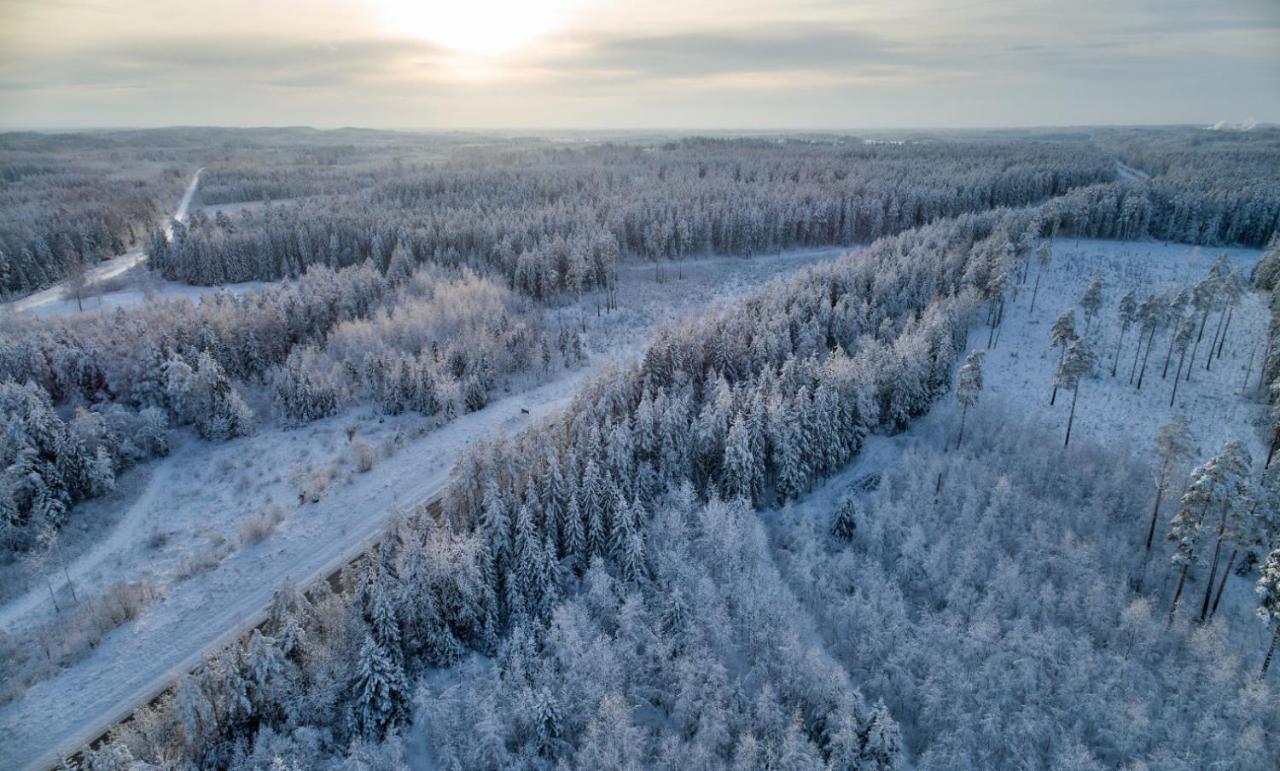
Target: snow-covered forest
[961, 451]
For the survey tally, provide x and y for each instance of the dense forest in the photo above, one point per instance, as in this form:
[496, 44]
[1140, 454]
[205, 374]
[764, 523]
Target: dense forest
[678, 570]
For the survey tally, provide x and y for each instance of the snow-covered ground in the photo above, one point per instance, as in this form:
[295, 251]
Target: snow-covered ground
[176, 522]
[134, 287]
[55, 300]
[188, 509]
[1019, 369]
[1111, 413]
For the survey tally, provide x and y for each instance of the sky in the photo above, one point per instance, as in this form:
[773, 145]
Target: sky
[656, 64]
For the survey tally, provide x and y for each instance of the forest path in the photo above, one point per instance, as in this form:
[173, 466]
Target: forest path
[108, 268]
[208, 611]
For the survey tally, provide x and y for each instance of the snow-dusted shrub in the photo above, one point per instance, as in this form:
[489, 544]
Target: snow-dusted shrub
[256, 527]
[363, 456]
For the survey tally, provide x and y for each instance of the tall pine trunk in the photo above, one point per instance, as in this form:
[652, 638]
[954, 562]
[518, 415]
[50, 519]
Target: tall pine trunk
[1036, 290]
[1177, 376]
[964, 410]
[1062, 357]
[1169, 356]
[1075, 392]
[1155, 510]
[1217, 598]
[1133, 371]
[1115, 362]
[1177, 594]
[1213, 344]
[1222, 341]
[1213, 572]
[1142, 373]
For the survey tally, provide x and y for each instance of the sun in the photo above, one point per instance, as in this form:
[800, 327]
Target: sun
[476, 27]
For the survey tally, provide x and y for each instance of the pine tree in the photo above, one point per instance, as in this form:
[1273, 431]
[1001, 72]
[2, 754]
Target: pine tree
[1173, 447]
[1234, 493]
[1092, 302]
[968, 387]
[1181, 341]
[1075, 365]
[1153, 314]
[1213, 488]
[1061, 336]
[1044, 255]
[1128, 312]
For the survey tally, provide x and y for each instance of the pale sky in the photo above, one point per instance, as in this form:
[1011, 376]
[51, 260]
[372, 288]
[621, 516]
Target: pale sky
[601, 64]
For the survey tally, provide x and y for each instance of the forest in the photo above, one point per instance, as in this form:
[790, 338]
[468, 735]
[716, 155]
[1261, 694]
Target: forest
[810, 526]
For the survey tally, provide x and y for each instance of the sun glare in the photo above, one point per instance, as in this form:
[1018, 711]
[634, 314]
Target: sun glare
[477, 27]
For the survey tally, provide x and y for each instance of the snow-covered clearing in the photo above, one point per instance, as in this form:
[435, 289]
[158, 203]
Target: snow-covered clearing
[180, 528]
[1019, 369]
[55, 299]
[134, 287]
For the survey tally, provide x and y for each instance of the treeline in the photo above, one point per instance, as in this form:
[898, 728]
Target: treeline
[1208, 211]
[754, 403]
[1266, 277]
[1212, 188]
[556, 219]
[431, 342]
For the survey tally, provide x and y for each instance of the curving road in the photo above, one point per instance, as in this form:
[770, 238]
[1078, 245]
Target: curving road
[114, 266]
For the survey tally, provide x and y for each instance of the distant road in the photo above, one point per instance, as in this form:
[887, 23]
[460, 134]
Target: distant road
[1129, 173]
[112, 267]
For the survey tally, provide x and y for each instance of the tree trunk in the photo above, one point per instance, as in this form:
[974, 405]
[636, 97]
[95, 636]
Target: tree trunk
[1248, 370]
[1177, 594]
[1192, 364]
[1062, 357]
[1177, 376]
[52, 596]
[1169, 356]
[1213, 573]
[1204, 319]
[1213, 344]
[1115, 362]
[1271, 651]
[1155, 510]
[964, 410]
[1142, 373]
[1133, 371]
[1075, 392]
[1036, 290]
[1223, 340]
[1217, 598]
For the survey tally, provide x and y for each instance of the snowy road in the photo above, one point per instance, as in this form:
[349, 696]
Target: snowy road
[112, 267]
[200, 615]
[1130, 174]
